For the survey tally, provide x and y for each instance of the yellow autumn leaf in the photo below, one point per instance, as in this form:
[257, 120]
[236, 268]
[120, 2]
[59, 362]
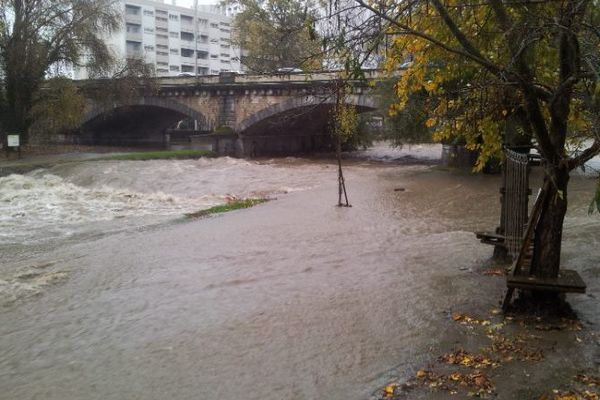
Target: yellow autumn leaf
[389, 390]
[455, 376]
[430, 122]
[421, 374]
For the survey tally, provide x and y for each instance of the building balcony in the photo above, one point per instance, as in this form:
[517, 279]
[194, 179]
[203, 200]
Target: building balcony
[161, 23]
[133, 18]
[162, 40]
[187, 28]
[133, 36]
[187, 45]
[162, 58]
[137, 54]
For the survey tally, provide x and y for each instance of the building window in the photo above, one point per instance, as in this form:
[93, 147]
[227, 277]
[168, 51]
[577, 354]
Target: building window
[149, 48]
[214, 56]
[173, 17]
[187, 53]
[187, 36]
[186, 19]
[213, 25]
[187, 68]
[203, 55]
[203, 39]
[162, 63]
[162, 12]
[174, 68]
[162, 53]
[133, 45]
[226, 55]
[224, 30]
[175, 52]
[159, 36]
[132, 10]
[161, 19]
[133, 28]
[174, 35]
[148, 30]
[162, 30]
[148, 13]
[224, 23]
[225, 62]
[162, 47]
[133, 48]
[225, 46]
[214, 71]
[202, 71]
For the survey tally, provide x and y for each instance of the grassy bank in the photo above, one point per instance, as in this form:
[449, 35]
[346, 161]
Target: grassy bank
[159, 155]
[231, 206]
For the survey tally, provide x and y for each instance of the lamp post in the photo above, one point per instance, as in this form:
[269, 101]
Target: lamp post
[196, 51]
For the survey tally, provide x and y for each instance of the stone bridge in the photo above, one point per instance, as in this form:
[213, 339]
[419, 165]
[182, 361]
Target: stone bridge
[243, 115]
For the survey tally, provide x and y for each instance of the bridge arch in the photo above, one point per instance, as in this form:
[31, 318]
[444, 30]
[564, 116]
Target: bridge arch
[140, 122]
[159, 102]
[295, 125]
[362, 102]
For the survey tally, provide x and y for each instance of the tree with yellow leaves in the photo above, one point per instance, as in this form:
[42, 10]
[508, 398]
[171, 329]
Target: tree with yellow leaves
[483, 63]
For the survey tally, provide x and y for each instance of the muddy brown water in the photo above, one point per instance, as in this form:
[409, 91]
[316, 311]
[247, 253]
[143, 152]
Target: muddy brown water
[292, 299]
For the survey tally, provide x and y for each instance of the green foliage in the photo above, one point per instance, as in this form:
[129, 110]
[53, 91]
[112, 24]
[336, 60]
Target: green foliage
[125, 83]
[277, 34]
[159, 155]
[363, 135]
[495, 72]
[236, 204]
[409, 125]
[224, 130]
[57, 107]
[345, 121]
[38, 35]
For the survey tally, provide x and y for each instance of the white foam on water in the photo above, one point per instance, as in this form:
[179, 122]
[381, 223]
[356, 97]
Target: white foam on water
[66, 199]
[382, 151]
[30, 203]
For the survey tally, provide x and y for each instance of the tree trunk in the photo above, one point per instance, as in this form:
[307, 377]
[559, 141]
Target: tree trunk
[341, 182]
[548, 235]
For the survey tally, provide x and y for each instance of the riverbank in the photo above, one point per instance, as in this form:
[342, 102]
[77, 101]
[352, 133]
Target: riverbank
[295, 298]
[36, 157]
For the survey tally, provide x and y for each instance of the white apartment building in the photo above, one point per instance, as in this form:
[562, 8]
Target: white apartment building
[175, 40]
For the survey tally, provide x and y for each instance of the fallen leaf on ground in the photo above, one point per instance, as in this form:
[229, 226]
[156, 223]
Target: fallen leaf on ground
[389, 390]
[587, 380]
[462, 357]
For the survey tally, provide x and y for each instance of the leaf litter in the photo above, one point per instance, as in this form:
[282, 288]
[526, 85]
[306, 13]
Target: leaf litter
[461, 370]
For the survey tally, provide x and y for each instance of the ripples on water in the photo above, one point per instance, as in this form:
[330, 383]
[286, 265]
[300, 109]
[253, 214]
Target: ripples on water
[296, 299]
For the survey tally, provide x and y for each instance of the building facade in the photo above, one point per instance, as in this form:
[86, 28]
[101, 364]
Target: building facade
[174, 40]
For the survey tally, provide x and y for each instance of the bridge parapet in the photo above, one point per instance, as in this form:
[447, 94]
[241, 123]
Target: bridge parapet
[241, 103]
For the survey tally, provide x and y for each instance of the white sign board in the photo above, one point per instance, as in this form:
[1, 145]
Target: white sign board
[13, 140]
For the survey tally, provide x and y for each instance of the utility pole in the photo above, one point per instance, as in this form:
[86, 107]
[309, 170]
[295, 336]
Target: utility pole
[196, 51]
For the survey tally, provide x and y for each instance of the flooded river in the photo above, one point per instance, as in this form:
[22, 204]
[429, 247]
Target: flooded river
[108, 292]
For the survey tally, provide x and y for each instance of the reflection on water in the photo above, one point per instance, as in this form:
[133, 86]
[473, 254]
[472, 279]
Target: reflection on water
[292, 299]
